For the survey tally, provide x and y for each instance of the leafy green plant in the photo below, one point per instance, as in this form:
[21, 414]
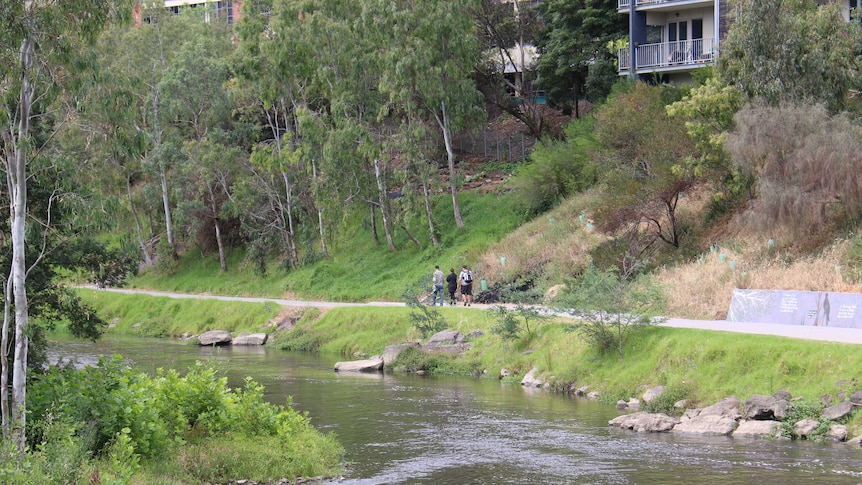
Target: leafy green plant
[425, 318]
[514, 322]
[612, 307]
[799, 410]
[670, 396]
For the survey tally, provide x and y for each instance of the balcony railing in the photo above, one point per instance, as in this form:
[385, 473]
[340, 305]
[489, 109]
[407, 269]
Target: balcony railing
[625, 4]
[683, 53]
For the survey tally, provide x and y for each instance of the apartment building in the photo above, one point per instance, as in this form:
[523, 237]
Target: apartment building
[668, 39]
[225, 10]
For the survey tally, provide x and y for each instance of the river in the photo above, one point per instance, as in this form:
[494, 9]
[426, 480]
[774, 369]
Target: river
[405, 429]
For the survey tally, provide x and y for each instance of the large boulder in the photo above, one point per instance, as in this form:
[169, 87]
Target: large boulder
[856, 398]
[756, 429]
[246, 338]
[760, 407]
[391, 352]
[652, 394]
[445, 337]
[215, 337]
[644, 422]
[716, 420]
[838, 411]
[531, 379]
[837, 432]
[373, 364]
[805, 427]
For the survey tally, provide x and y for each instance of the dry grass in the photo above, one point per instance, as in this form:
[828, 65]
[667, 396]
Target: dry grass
[703, 289]
[554, 245]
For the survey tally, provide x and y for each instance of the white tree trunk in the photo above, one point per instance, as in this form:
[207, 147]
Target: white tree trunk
[430, 213]
[18, 210]
[383, 198]
[323, 247]
[443, 122]
[288, 194]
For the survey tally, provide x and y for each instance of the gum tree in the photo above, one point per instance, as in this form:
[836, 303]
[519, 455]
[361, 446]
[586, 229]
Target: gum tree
[38, 60]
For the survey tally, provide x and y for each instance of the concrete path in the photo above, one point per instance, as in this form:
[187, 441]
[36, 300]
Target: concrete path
[827, 334]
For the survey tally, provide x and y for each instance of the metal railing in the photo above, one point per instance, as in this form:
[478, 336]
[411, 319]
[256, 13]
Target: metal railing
[625, 4]
[681, 53]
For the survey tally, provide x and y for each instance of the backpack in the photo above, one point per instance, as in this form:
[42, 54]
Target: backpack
[469, 277]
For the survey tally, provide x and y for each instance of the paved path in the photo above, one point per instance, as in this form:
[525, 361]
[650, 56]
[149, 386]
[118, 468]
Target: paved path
[828, 334]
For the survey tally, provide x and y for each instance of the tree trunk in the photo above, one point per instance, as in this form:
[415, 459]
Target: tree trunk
[383, 198]
[374, 224]
[294, 254]
[443, 121]
[148, 258]
[323, 247]
[163, 180]
[17, 175]
[410, 235]
[430, 214]
[221, 257]
[4, 357]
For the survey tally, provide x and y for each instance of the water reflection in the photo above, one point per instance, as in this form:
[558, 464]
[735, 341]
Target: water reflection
[413, 429]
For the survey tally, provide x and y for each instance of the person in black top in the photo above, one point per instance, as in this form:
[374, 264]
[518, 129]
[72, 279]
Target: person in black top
[452, 280]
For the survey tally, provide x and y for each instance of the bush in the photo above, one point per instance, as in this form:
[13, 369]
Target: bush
[558, 169]
[133, 415]
[611, 307]
[807, 164]
[425, 318]
[509, 324]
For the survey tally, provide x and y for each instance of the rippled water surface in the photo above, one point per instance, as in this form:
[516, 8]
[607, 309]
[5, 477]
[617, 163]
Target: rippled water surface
[412, 429]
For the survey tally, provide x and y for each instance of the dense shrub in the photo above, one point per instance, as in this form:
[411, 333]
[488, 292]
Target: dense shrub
[807, 164]
[558, 169]
[114, 413]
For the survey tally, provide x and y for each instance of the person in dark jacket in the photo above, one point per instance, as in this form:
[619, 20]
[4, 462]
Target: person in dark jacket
[452, 281]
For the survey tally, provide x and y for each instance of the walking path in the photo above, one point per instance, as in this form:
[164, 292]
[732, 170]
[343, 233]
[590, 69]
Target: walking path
[827, 334]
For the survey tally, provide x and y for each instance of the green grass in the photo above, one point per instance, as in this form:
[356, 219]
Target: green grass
[171, 317]
[358, 269]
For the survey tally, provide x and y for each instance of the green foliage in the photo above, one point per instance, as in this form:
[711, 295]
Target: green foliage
[435, 363]
[671, 395]
[425, 318]
[612, 308]
[558, 168]
[791, 50]
[515, 322]
[799, 410]
[637, 165]
[134, 416]
[708, 113]
[573, 57]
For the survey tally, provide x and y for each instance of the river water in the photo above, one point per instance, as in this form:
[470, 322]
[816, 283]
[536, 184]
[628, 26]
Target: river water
[405, 429]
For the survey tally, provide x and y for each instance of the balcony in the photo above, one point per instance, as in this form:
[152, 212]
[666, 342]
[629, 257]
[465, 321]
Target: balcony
[684, 55]
[623, 5]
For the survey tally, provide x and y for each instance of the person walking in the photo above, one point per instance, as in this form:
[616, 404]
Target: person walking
[437, 279]
[452, 281]
[466, 278]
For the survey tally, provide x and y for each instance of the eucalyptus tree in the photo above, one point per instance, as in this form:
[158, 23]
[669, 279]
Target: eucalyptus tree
[795, 50]
[37, 61]
[432, 51]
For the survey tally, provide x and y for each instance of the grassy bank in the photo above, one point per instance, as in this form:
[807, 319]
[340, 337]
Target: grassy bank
[700, 366]
[150, 316]
[359, 269]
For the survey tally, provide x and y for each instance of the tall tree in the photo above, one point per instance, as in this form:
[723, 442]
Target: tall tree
[37, 52]
[574, 60]
[791, 50]
[433, 57]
